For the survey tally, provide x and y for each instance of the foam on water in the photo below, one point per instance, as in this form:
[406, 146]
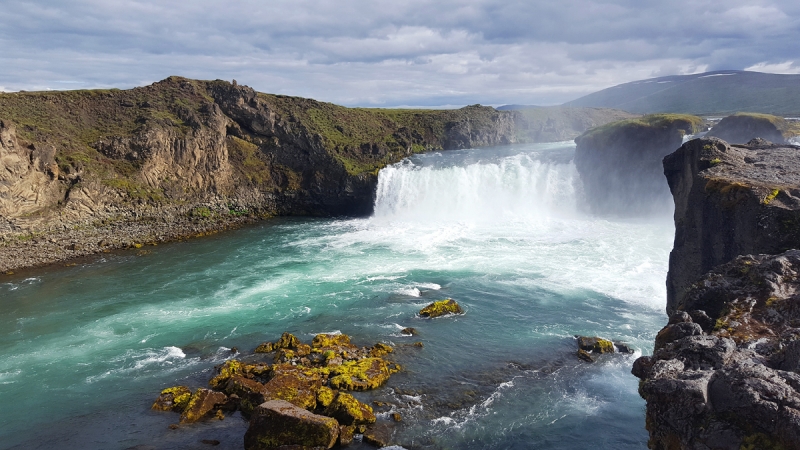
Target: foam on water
[500, 230]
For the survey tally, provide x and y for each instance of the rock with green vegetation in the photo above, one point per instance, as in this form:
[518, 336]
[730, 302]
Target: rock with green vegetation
[325, 396]
[225, 371]
[295, 384]
[362, 374]
[288, 341]
[595, 344]
[741, 128]
[620, 163]
[309, 377]
[173, 399]
[203, 403]
[180, 155]
[266, 347]
[347, 410]
[280, 424]
[441, 308]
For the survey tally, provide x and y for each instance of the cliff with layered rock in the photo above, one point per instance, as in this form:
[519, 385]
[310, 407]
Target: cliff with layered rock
[740, 128]
[724, 371]
[89, 170]
[620, 163]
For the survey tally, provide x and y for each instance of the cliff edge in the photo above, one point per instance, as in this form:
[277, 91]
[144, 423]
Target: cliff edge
[730, 200]
[724, 371]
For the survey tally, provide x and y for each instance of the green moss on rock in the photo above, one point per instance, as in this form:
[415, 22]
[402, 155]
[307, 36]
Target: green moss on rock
[441, 308]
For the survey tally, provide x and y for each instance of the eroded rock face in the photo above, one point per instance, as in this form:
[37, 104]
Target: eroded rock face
[732, 384]
[730, 200]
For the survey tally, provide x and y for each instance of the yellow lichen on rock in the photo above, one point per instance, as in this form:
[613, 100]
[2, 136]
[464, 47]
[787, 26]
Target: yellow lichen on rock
[229, 369]
[287, 340]
[380, 349]
[330, 340]
[361, 375]
[325, 396]
[173, 399]
[441, 308]
[347, 410]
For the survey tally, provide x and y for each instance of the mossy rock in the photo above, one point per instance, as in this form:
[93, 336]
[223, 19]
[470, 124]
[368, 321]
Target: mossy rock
[346, 433]
[265, 347]
[287, 340]
[173, 399]
[295, 384]
[361, 375]
[202, 404]
[595, 344]
[325, 396]
[330, 340]
[441, 308]
[227, 370]
[347, 410]
[380, 349]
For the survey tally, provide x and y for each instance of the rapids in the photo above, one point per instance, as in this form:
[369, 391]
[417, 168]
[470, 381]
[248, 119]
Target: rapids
[84, 350]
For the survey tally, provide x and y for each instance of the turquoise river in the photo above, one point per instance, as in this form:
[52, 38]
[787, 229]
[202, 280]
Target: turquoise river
[85, 350]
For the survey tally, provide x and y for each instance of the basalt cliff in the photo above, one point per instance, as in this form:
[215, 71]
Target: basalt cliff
[725, 372]
[87, 171]
[620, 163]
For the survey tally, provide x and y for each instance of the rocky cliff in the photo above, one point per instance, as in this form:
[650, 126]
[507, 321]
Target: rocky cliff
[740, 128]
[724, 372]
[620, 163]
[730, 200]
[84, 171]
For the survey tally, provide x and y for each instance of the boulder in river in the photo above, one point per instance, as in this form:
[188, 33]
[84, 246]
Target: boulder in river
[441, 308]
[349, 411]
[202, 403]
[278, 423]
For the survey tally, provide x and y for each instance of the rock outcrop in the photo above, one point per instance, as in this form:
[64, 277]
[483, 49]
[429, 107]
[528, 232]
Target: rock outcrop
[741, 128]
[620, 163]
[732, 382]
[724, 372]
[730, 200]
[278, 423]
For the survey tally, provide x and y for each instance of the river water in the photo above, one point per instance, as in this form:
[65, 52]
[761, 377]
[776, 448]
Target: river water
[85, 350]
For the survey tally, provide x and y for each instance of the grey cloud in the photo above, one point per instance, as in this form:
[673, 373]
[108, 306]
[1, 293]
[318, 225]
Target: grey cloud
[391, 52]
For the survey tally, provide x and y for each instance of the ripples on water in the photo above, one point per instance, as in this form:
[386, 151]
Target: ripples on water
[85, 350]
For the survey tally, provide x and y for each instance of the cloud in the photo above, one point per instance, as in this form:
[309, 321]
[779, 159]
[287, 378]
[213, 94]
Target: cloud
[381, 53]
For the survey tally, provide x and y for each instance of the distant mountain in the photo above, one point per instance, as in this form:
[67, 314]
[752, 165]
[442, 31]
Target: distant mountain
[516, 107]
[710, 93]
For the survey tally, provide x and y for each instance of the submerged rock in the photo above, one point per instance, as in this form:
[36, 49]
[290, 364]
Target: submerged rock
[278, 423]
[595, 344]
[441, 308]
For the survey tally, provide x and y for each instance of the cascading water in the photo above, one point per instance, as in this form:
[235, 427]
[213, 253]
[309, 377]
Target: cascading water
[500, 230]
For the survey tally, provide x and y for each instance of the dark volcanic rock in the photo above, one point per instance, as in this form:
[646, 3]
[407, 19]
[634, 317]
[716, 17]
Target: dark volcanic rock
[731, 389]
[730, 200]
[620, 163]
[743, 127]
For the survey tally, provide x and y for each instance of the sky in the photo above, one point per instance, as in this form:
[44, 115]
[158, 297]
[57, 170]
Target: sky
[392, 53]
